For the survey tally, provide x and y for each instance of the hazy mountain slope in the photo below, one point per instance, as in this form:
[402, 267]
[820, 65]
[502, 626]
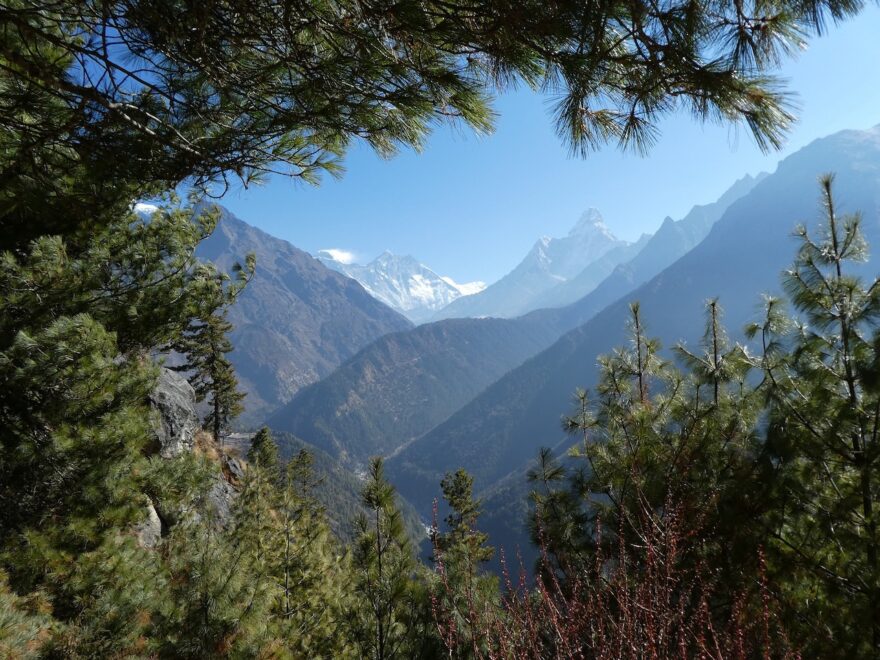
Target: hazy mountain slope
[592, 276]
[670, 242]
[402, 283]
[339, 491]
[405, 383]
[500, 430]
[550, 262]
[296, 321]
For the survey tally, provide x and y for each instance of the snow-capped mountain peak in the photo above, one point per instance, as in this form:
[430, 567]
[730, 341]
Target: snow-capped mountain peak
[401, 282]
[591, 222]
[550, 263]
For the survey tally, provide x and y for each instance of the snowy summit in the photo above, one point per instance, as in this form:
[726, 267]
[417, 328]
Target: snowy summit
[401, 282]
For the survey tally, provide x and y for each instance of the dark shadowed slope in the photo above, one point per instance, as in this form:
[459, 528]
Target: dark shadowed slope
[296, 321]
[405, 383]
[743, 255]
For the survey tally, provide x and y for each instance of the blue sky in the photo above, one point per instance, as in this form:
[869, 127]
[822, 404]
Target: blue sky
[470, 207]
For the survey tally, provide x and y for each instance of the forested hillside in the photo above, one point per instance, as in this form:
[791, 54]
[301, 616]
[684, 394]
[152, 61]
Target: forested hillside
[406, 382]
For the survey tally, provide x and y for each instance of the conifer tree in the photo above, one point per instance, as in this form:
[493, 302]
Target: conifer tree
[384, 624]
[205, 344]
[24, 628]
[85, 131]
[659, 434]
[464, 599]
[218, 597]
[78, 321]
[821, 448]
[311, 572]
[462, 535]
[263, 452]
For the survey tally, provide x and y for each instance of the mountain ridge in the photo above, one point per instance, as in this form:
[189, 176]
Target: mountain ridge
[521, 411]
[296, 320]
[550, 262]
[402, 282]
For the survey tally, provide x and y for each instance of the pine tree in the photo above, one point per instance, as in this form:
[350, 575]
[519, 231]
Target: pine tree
[464, 599]
[383, 621]
[310, 571]
[205, 344]
[78, 320]
[660, 436]
[85, 132]
[263, 452]
[462, 535]
[24, 624]
[821, 445]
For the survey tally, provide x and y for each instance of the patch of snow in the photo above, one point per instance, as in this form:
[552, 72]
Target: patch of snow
[467, 288]
[421, 289]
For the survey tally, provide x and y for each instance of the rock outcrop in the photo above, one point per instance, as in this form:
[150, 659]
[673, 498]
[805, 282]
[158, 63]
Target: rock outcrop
[175, 423]
[149, 532]
[175, 419]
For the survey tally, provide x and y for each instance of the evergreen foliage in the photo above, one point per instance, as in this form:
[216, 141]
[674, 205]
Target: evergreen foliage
[464, 600]
[823, 405]
[780, 468]
[205, 343]
[263, 452]
[25, 623]
[113, 101]
[384, 622]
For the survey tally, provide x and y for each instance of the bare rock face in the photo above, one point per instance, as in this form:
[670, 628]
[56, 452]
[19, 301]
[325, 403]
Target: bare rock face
[174, 405]
[220, 499]
[234, 468]
[175, 422]
[149, 532]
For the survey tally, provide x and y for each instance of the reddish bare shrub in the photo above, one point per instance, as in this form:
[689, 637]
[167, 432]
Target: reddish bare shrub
[652, 599]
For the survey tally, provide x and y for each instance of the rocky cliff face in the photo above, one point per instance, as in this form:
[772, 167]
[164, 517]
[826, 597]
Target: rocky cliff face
[175, 423]
[175, 420]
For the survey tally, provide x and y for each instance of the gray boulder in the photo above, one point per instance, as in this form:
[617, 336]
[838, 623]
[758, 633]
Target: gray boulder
[175, 419]
[175, 422]
[149, 532]
[220, 500]
[235, 467]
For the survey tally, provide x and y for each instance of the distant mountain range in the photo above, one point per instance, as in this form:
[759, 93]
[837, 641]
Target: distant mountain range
[327, 361]
[402, 283]
[401, 386]
[296, 321]
[550, 263]
[498, 433]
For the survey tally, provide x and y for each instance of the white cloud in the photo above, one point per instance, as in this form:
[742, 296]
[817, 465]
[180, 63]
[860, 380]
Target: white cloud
[342, 256]
[466, 289]
[143, 208]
